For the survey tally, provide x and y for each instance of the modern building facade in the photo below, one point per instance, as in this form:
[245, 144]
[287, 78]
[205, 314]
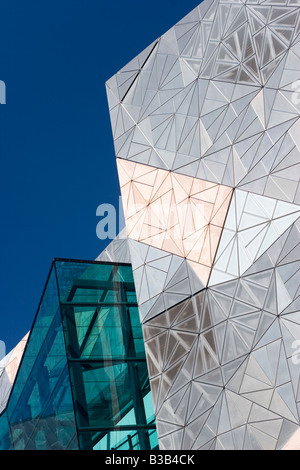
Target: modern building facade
[83, 379]
[8, 370]
[206, 131]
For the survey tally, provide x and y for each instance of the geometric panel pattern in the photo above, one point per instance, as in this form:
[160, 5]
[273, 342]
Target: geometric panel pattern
[214, 98]
[253, 223]
[117, 251]
[8, 370]
[175, 213]
[294, 442]
[214, 105]
[221, 363]
[162, 279]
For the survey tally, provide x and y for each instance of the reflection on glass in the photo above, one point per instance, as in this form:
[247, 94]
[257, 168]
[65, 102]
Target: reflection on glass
[83, 381]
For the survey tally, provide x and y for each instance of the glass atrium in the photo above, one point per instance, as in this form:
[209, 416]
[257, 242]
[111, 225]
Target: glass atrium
[83, 380]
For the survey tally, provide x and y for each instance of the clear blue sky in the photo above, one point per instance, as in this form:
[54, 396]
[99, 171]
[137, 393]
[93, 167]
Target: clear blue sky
[56, 146]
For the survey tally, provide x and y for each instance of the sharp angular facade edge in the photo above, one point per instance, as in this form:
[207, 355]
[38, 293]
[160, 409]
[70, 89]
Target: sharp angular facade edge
[206, 132]
[184, 333]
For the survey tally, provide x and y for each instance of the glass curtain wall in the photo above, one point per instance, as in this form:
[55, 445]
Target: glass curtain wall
[83, 381]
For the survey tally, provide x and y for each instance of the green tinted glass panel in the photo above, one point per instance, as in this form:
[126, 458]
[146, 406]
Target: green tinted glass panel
[83, 380]
[4, 433]
[109, 391]
[40, 409]
[106, 355]
[125, 440]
